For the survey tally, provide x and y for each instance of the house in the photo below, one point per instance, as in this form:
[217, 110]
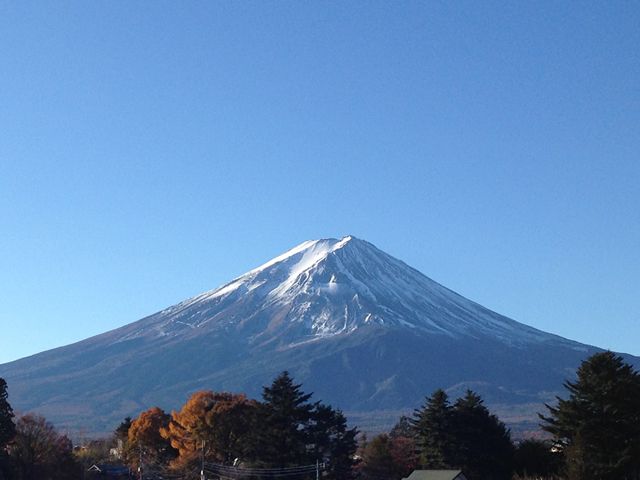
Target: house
[109, 471]
[436, 475]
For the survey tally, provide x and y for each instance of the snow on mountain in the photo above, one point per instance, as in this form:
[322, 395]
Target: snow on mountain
[333, 287]
[361, 329]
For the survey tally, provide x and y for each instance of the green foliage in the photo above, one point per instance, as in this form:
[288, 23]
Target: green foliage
[122, 431]
[465, 435]
[402, 429]
[285, 430]
[332, 442]
[432, 427]
[285, 415]
[482, 443]
[7, 428]
[536, 459]
[598, 426]
[292, 431]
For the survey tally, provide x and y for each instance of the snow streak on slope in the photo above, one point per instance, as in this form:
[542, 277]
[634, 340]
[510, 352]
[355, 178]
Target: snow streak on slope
[333, 287]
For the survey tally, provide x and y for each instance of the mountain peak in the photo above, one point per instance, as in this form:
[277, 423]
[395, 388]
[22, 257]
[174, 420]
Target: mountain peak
[318, 249]
[364, 328]
[330, 287]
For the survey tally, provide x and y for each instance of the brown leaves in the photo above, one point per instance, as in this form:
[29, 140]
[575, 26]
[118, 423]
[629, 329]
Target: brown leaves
[212, 423]
[145, 438]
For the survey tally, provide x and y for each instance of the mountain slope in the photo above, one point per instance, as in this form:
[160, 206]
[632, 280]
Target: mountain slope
[360, 328]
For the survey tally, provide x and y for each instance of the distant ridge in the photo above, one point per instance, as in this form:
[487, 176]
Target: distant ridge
[361, 329]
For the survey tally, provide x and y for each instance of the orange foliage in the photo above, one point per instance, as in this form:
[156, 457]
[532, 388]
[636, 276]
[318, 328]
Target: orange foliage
[144, 434]
[216, 420]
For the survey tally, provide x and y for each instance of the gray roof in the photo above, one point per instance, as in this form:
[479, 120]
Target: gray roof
[436, 475]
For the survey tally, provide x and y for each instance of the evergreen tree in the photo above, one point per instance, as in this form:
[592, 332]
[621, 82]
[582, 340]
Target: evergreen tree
[402, 429]
[285, 417]
[7, 428]
[332, 441]
[121, 437]
[122, 431]
[432, 427]
[536, 458]
[483, 447]
[598, 426]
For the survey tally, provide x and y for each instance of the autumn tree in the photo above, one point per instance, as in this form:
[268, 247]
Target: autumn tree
[380, 462]
[38, 451]
[212, 424]
[598, 426]
[403, 452]
[403, 446]
[144, 438]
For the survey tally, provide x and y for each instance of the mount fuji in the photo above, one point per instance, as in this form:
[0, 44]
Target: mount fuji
[361, 329]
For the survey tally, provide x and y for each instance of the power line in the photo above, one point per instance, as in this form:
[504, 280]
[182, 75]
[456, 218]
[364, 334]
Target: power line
[235, 472]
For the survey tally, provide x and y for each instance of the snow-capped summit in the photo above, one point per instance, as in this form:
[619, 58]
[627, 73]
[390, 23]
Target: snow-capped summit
[358, 327]
[331, 287]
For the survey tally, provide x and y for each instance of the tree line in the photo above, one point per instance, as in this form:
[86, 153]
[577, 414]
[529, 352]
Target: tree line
[593, 434]
[213, 430]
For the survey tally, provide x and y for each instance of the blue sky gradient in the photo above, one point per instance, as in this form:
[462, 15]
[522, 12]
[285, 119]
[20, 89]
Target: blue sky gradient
[153, 150]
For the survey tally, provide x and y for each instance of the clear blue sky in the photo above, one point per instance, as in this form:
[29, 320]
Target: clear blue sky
[153, 150]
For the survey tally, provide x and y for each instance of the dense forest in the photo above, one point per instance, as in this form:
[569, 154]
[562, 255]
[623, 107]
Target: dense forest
[594, 433]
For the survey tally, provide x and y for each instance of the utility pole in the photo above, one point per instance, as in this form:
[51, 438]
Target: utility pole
[202, 461]
[317, 469]
[140, 464]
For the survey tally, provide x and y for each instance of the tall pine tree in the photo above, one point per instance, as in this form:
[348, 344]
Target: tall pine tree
[7, 428]
[464, 436]
[332, 442]
[432, 430]
[598, 426]
[483, 447]
[285, 417]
